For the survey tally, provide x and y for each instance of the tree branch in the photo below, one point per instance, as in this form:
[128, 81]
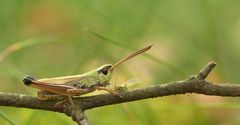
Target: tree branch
[196, 84]
[76, 113]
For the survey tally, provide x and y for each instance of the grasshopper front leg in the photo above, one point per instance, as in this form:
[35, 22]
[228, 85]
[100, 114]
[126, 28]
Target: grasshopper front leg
[108, 90]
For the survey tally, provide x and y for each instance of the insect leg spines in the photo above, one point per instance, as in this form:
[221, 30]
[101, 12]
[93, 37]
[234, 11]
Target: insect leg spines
[44, 95]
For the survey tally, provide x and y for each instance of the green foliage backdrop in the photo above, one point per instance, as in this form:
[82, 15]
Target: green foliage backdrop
[59, 37]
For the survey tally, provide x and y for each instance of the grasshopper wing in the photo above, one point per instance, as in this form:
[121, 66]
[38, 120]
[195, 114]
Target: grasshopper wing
[54, 87]
[62, 80]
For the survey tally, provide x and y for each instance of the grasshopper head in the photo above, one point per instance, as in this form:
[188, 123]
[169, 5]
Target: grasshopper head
[105, 73]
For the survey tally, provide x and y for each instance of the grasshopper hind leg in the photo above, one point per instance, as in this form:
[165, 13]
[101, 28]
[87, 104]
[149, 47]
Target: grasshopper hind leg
[44, 95]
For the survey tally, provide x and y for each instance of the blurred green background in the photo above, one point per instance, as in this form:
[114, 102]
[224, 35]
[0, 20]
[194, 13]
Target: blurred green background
[49, 38]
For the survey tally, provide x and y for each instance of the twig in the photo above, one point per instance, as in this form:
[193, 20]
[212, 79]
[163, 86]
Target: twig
[206, 70]
[76, 113]
[196, 84]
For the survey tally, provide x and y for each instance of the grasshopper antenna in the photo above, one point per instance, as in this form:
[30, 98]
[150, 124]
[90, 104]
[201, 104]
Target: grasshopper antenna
[131, 56]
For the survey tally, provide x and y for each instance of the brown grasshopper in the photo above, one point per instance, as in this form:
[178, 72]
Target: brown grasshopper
[76, 85]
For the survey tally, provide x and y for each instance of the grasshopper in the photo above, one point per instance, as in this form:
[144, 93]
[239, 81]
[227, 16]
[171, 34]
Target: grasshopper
[76, 85]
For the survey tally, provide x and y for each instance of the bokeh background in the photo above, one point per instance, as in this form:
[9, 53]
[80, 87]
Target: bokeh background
[55, 38]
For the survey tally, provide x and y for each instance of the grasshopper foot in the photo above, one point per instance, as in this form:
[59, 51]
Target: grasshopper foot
[65, 102]
[117, 94]
[61, 103]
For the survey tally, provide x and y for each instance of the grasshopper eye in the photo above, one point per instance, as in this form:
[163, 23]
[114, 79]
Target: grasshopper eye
[105, 69]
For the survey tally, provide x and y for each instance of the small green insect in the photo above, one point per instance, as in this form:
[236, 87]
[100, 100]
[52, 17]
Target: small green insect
[76, 85]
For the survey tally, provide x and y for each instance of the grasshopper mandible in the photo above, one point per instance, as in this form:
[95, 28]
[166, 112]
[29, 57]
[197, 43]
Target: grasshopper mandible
[76, 85]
